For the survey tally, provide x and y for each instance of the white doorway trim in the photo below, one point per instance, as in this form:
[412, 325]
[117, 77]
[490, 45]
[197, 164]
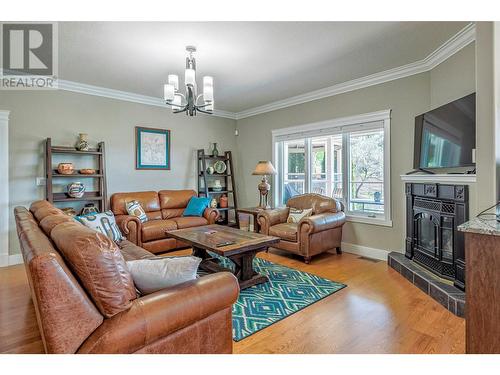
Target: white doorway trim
[4, 188]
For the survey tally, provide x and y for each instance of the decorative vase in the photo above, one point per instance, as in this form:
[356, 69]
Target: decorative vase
[223, 203]
[89, 209]
[65, 168]
[215, 152]
[76, 190]
[82, 144]
[210, 170]
[217, 186]
[213, 203]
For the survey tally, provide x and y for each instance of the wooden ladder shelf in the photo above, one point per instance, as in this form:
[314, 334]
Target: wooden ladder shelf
[229, 215]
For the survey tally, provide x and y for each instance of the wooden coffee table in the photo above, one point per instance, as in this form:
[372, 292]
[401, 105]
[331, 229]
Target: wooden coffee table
[242, 250]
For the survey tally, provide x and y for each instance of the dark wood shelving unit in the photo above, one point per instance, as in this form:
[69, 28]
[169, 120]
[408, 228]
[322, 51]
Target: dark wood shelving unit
[229, 186]
[99, 196]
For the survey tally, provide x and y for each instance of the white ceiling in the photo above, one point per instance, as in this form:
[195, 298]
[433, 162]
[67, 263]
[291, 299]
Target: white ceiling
[253, 63]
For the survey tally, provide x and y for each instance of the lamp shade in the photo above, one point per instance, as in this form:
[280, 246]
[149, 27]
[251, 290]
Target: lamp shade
[173, 79]
[264, 167]
[169, 92]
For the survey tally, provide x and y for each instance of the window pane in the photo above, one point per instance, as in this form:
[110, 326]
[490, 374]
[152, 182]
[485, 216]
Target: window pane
[336, 180]
[294, 169]
[319, 166]
[366, 174]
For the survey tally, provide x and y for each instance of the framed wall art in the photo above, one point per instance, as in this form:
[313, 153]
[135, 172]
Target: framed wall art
[152, 148]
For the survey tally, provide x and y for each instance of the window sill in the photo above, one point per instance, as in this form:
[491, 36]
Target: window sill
[369, 220]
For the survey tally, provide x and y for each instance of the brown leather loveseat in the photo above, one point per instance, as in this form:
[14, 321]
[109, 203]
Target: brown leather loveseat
[164, 211]
[311, 235]
[85, 299]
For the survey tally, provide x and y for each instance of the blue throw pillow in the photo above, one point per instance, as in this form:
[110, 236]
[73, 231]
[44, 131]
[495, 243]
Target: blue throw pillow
[196, 206]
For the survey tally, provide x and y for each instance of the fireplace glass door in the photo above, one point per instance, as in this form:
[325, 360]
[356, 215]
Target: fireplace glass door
[426, 233]
[447, 239]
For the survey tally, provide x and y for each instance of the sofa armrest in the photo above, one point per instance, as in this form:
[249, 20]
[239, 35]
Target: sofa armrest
[131, 227]
[211, 214]
[158, 315]
[321, 222]
[268, 218]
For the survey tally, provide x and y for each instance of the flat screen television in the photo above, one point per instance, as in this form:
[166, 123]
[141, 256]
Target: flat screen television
[446, 136]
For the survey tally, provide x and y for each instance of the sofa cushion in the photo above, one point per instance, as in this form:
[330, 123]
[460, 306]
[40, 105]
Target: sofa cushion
[47, 211]
[39, 204]
[155, 229]
[99, 264]
[319, 203]
[148, 200]
[190, 221]
[286, 231]
[151, 275]
[131, 251]
[173, 202]
[50, 222]
[175, 198]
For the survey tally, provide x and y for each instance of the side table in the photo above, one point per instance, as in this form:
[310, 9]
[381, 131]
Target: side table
[253, 211]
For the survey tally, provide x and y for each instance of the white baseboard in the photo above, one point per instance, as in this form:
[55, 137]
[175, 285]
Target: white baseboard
[10, 260]
[369, 252]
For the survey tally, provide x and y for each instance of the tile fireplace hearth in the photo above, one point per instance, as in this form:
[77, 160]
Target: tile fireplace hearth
[439, 289]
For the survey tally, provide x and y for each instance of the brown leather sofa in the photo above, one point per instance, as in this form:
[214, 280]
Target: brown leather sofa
[313, 235]
[164, 210]
[62, 258]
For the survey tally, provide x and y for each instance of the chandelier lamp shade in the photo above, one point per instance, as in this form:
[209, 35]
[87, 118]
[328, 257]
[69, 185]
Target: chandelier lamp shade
[190, 102]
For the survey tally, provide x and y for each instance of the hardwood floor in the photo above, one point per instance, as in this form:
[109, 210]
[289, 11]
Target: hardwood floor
[378, 312]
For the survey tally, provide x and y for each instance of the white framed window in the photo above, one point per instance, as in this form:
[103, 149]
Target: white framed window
[346, 158]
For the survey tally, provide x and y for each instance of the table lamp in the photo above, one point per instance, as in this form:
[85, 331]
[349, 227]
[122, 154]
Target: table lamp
[264, 168]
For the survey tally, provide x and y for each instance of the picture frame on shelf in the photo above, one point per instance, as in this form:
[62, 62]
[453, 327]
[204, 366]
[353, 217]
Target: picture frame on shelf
[152, 148]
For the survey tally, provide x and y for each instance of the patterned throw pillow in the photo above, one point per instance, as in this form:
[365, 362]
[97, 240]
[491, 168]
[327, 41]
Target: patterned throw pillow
[105, 223]
[295, 214]
[134, 208]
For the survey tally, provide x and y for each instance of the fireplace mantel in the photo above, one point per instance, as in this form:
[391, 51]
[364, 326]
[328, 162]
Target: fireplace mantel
[440, 178]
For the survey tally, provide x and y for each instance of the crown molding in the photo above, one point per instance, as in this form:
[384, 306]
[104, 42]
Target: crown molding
[460, 40]
[338, 122]
[4, 115]
[83, 88]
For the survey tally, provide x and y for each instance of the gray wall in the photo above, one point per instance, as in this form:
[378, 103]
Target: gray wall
[485, 102]
[454, 78]
[62, 115]
[406, 97]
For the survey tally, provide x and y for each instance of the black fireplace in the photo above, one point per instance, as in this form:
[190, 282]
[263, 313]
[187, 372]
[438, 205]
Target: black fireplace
[433, 213]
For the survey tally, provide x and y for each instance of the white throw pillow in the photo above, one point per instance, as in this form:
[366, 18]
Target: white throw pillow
[294, 215]
[153, 274]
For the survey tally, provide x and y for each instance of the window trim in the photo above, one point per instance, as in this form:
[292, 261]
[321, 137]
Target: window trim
[337, 125]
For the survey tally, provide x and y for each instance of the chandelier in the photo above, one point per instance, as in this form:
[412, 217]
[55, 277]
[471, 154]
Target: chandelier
[190, 102]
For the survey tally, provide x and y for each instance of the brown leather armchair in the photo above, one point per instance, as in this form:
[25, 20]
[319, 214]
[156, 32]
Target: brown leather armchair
[164, 210]
[312, 235]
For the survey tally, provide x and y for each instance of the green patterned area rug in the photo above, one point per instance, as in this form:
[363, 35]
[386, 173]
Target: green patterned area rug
[287, 292]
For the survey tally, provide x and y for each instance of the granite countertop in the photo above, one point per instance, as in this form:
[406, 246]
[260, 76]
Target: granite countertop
[483, 225]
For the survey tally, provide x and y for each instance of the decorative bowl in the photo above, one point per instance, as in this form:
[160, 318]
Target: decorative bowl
[220, 166]
[87, 171]
[76, 190]
[65, 168]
